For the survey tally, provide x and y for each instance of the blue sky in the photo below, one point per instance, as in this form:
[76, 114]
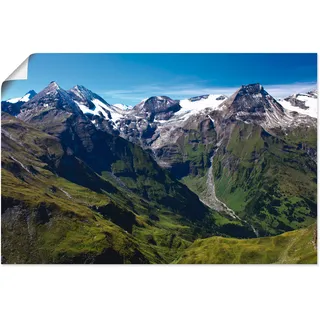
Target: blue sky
[129, 78]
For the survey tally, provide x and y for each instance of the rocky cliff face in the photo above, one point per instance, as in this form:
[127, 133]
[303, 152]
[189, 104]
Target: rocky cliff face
[141, 123]
[157, 108]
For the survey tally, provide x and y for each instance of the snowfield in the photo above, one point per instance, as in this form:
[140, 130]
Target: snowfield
[310, 102]
[190, 108]
[25, 98]
[100, 107]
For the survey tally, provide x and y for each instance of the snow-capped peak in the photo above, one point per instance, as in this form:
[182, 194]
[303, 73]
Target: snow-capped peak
[53, 85]
[92, 104]
[84, 93]
[29, 95]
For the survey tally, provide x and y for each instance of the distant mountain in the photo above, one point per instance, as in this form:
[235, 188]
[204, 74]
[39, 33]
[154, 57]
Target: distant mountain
[29, 95]
[13, 106]
[303, 103]
[157, 108]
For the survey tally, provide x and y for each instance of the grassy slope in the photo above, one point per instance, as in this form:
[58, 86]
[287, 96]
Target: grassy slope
[41, 226]
[58, 224]
[268, 181]
[291, 247]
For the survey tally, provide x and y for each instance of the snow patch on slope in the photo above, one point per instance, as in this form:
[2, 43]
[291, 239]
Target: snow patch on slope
[190, 108]
[14, 100]
[84, 108]
[100, 108]
[122, 106]
[168, 130]
[25, 98]
[310, 102]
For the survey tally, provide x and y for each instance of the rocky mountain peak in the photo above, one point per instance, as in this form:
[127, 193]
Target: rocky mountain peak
[82, 94]
[155, 104]
[252, 103]
[52, 96]
[157, 107]
[92, 104]
[52, 89]
[29, 95]
[82, 89]
[254, 88]
[53, 86]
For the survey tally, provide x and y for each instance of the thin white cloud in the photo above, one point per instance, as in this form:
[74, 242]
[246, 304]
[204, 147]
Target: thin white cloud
[284, 90]
[136, 94]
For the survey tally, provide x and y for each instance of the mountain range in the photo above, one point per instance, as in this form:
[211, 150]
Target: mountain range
[85, 181]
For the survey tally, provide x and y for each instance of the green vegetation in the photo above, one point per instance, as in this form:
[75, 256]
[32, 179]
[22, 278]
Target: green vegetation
[197, 184]
[292, 247]
[302, 136]
[44, 223]
[267, 180]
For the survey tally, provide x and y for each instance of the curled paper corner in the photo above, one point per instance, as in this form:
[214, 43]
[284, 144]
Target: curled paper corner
[21, 72]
